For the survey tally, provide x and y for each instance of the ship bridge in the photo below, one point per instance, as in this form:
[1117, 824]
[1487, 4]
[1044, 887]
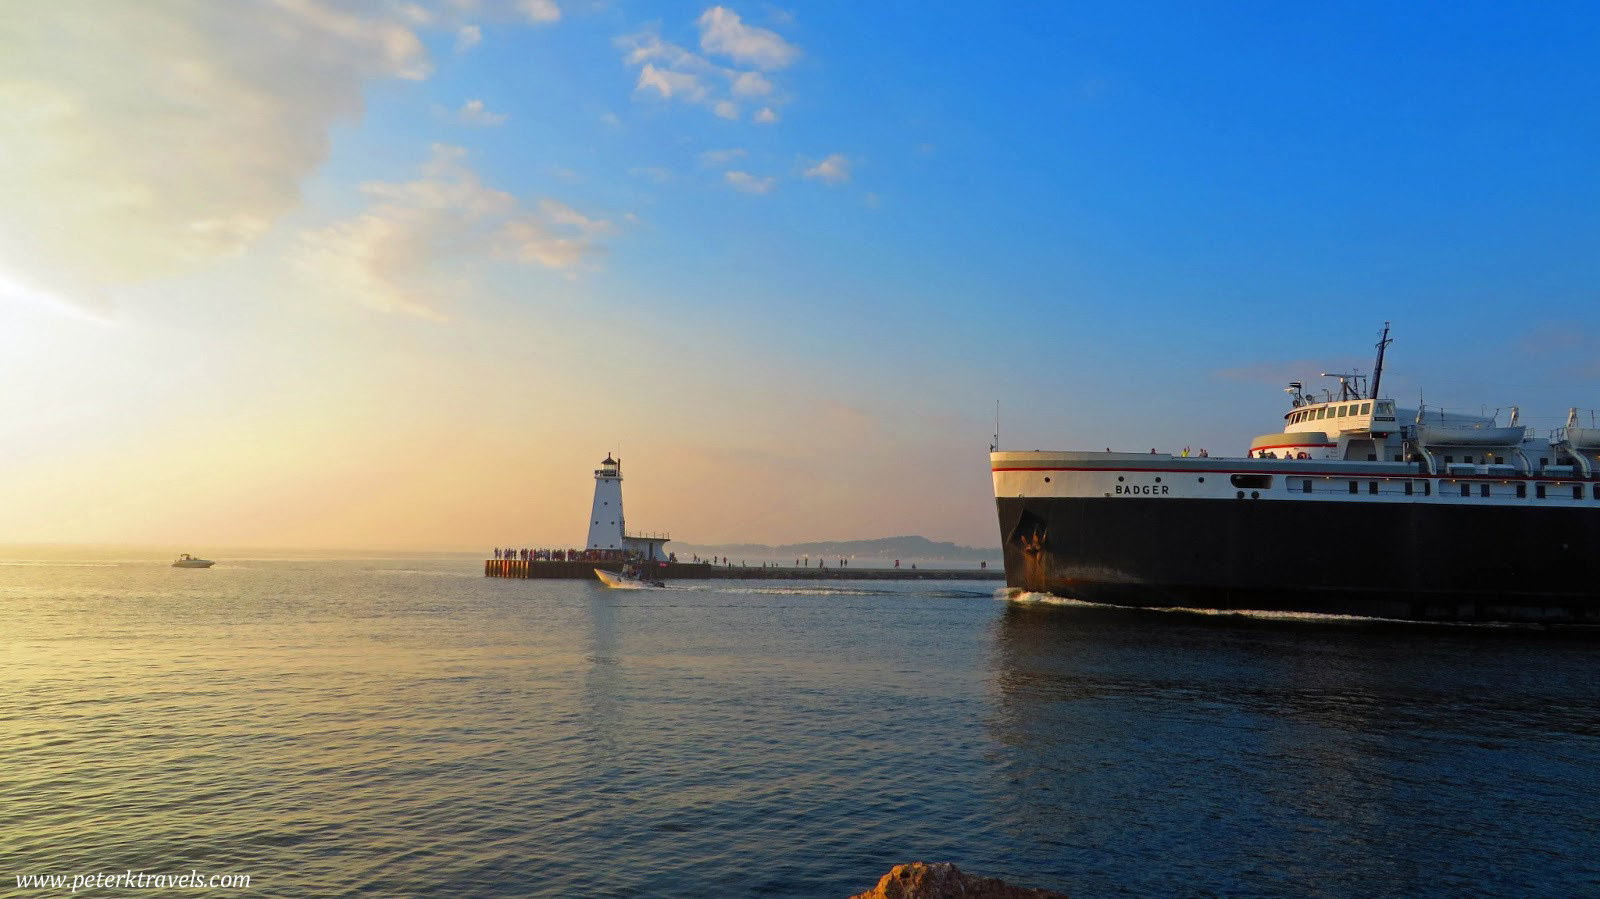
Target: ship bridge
[1343, 417]
[1331, 429]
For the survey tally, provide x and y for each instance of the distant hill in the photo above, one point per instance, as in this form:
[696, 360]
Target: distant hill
[885, 548]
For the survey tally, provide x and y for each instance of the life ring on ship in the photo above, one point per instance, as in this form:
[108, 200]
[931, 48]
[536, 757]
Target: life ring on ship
[1302, 455]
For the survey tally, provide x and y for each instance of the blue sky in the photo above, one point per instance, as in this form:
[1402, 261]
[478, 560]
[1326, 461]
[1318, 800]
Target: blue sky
[807, 245]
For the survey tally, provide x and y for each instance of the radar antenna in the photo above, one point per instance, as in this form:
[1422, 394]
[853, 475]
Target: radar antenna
[1377, 368]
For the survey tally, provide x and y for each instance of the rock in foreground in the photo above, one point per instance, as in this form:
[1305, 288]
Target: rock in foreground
[946, 881]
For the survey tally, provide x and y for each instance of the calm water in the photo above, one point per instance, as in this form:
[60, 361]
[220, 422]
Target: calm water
[405, 727]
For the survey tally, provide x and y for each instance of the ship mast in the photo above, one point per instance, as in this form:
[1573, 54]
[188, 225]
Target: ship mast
[1377, 368]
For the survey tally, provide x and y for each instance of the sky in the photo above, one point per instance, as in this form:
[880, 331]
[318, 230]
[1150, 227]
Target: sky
[397, 275]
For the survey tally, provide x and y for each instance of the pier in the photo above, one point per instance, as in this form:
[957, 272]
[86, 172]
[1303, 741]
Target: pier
[690, 571]
[610, 545]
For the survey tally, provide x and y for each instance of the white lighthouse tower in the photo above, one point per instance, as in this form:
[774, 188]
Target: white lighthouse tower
[607, 528]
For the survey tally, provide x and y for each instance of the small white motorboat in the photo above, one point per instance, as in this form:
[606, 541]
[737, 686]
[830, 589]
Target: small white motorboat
[188, 561]
[626, 580]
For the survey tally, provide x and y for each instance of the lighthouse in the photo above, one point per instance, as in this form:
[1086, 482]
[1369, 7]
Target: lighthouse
[608, 530]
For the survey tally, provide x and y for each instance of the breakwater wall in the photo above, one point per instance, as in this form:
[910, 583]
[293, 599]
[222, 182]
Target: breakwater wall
[521, 568]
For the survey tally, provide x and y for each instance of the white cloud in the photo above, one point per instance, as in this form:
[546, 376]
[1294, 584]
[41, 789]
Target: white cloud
[721, 157]
[722, 32]
[127, 158]
[403, 252]
[540, 12]
[467, 37]
[764, 116]
[558, 213]
[647, 46]
[751, 84]
[414, 14]
[473, 113]
[674, 73]
[671, 84]
[833, 170]
[748, 183]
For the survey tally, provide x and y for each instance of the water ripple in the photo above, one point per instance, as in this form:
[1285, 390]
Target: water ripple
[407, 728]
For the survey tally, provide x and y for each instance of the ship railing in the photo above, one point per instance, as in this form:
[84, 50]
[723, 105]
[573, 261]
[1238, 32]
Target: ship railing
[647, 535]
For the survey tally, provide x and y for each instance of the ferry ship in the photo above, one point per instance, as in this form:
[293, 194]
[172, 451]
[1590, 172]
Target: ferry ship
[1357, 507]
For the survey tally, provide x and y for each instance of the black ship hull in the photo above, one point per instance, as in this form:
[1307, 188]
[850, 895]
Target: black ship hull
[1413, 561]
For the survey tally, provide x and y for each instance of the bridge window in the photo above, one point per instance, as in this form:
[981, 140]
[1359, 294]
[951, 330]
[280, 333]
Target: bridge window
[1365, 408]
[1322, 413]
[1247, 481]
[1449, 459]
